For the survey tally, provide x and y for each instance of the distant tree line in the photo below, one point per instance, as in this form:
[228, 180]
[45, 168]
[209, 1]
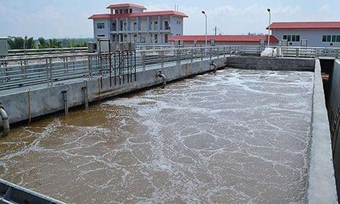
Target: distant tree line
[31, 43]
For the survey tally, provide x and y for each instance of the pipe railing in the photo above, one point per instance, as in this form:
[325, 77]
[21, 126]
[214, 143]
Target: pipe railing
[42, 51]
[18, 71]
[309, 52]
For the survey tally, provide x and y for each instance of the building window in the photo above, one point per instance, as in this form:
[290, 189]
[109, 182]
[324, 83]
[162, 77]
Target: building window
[166, 38]
[100, 25]
[156, 38]
[331, 38]
[292, 38]
[130, 10]
[324, 38]
[166, 25]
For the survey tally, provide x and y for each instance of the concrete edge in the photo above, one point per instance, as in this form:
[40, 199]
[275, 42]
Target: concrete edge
[321, 180]
[29, 104]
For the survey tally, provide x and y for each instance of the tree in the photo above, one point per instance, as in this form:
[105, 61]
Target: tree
[42, 43]
[30, 44]
[21, 43]
[16, 43]
[54, 43]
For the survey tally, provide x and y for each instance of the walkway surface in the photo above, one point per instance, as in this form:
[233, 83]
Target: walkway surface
[235, 137]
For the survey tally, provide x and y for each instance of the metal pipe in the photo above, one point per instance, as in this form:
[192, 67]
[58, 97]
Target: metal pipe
[270, 16]
[29, 106]
[86, 96]
[65, 101]
[5, 122]
[159, 74]
[212, 63]
[206, 30]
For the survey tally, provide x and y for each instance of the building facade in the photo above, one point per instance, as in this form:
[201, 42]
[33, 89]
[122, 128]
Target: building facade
[131, 23]
[199, 40]
[311, 34]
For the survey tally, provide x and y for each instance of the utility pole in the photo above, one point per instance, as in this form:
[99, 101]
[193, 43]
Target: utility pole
[215, 30]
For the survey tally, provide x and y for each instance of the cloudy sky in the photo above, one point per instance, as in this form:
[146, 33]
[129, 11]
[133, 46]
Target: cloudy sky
[69, 18]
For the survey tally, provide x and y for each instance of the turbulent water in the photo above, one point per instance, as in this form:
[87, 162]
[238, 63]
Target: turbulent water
[234, 137]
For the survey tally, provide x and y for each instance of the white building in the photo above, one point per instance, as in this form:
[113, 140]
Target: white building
[311, 34]
[130, 23]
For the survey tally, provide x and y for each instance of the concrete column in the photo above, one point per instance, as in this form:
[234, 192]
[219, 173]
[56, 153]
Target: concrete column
[136, 29]
[170, 24]
[159, 23]
[127, 28]
[117, 25]
[148, 24]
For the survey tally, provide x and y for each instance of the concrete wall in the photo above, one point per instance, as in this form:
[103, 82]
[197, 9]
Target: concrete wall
[334, 116]
[23, 105]
[266, 63]
[176, 25]
[102, 33]
[321, 181]
[314, 37]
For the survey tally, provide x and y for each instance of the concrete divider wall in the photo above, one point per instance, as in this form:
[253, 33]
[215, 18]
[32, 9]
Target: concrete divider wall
[321, 180]
[334, 116]
[21, 106]
[270, 63]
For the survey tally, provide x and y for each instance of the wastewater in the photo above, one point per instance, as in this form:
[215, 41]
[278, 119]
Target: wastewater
[237, 136]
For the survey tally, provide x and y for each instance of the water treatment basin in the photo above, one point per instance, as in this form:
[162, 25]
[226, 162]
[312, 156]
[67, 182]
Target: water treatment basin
[237, 136]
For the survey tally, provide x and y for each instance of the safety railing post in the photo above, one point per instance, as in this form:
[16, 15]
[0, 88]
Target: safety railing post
[178, 57]
[51, 71]
[89, 66]
[162, 59]
[143, 59]
[192, 55]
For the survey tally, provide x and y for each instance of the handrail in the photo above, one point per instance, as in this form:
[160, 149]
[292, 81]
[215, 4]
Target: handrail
[32, 70]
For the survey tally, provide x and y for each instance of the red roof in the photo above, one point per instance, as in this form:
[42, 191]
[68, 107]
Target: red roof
[127, 5]
[142, 14]
[224, 38]
[305, 25]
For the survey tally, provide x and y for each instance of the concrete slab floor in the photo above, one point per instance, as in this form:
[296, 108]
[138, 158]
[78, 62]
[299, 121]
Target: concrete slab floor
[235, 137]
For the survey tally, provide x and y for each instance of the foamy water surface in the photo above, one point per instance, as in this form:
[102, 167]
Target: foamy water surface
[239, 136]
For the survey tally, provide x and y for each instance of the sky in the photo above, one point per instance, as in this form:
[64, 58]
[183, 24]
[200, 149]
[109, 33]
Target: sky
[69, 18]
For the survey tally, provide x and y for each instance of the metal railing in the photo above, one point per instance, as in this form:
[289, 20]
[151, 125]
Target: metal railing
[44, 51]
[310, 52]
[18, 72]
[22, 71]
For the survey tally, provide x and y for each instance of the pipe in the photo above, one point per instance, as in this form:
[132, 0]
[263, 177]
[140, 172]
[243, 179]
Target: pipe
[212, 63]
[159, 74]
[5, 122]
[29, 106]
[65, 101]
[86, 96]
